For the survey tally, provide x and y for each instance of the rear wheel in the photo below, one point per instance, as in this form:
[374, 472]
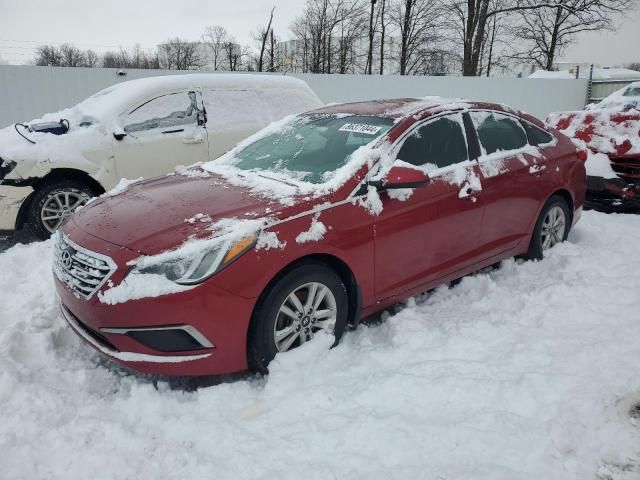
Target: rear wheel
[551, 228]
[308, 300]
[53, 203]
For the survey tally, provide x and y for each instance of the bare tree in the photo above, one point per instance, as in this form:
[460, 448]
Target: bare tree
[371, 35]
[48, 55]
[547, 31]
[72, 56]
[180, 54]
[91, 59]
[383, 29]
[417, 22]
[263, 34]
[233, 53]
[328, 31]
[214, 37]
[633, 66]
[471, 20]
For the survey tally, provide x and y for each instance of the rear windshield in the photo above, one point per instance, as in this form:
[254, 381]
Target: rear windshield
[312, 148]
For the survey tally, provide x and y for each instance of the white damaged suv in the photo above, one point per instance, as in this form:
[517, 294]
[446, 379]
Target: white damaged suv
[140, 128]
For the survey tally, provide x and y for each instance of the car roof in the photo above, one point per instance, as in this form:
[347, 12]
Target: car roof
[415, 108]
[114, 99]
[392, 108]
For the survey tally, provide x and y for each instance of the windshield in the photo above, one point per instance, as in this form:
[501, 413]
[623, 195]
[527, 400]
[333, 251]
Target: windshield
[632, 92]
[312, 147]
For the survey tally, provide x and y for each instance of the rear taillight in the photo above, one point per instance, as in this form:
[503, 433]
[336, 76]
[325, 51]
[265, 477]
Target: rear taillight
[582, 155]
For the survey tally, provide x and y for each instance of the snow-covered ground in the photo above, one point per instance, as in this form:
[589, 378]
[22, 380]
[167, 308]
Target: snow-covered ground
[526, 372]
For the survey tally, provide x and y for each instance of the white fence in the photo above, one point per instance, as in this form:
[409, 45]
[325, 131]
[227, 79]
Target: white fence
[27, 92]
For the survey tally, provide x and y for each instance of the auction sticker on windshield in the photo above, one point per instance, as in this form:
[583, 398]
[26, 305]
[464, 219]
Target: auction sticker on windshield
[359, 128]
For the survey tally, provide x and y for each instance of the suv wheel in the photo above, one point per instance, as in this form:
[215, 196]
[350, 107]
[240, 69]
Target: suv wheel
[54, 203]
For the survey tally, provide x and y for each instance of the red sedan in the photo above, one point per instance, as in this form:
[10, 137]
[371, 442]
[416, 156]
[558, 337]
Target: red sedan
[308, 226]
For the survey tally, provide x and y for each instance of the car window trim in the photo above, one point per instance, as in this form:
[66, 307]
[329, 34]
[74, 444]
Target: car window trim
[122, 117]
[502, 154]
[551, 143]
[395, 147]
[440, 170]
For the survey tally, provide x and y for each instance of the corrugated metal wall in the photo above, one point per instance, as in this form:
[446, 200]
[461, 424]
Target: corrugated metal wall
[27, 92]
[603, 88]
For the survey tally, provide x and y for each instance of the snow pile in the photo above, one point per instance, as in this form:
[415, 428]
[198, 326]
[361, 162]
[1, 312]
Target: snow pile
[598, 165]
[315, 233]
[269, 240]
[526, 372]
[523, 372]
[138, 285]
[122, 186]
[613, 133]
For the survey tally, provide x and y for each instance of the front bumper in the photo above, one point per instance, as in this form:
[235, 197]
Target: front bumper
[612, 195]
[215, 318]
[11, 199]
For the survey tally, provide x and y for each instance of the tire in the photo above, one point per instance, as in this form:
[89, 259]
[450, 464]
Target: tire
[543, 238]
[268, 318]
[55, 199]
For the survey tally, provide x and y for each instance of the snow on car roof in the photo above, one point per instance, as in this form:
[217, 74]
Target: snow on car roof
[113, 100]
[392, 108]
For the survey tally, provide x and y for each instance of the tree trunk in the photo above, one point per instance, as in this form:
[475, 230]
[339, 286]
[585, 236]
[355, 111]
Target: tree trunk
[382, 34]
[264, 40]
[370, 52]
[406, 25]
[493, 38]
[554, 38]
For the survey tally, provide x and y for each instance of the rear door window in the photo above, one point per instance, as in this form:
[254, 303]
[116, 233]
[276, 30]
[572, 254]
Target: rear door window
[436, 144]
[536, 135]
[163, 112]
[498, 132]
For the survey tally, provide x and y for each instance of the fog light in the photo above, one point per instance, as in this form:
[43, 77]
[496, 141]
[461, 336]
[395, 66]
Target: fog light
[176, 338]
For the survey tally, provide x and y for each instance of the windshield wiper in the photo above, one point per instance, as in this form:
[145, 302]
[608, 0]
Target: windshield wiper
[277, 180]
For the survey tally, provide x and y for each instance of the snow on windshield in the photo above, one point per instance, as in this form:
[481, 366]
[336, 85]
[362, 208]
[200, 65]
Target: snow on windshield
[310, 149]
[302, 155]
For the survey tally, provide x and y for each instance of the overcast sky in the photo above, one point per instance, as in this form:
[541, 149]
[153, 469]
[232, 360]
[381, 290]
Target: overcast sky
[104, 25]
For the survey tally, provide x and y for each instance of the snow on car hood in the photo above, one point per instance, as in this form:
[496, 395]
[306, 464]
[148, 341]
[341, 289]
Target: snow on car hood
[609, 132]
[161, 214]
[71, 147]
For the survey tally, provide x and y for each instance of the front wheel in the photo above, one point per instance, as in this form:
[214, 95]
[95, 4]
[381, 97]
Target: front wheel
[308, 300]
[551, 228]
[53, 203]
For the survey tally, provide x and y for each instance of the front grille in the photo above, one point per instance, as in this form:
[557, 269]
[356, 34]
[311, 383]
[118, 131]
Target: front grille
[82, 270]
[627, 168]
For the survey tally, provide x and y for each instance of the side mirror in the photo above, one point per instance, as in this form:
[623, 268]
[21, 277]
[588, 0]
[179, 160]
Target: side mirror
[401, 177]
[119, 135]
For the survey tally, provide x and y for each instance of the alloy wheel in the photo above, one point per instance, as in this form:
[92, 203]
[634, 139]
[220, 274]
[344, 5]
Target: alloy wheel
[60, 206]
[553, 227]
[307, 310]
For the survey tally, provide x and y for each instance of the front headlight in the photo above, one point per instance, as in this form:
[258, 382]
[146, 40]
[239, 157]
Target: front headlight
[192, 269]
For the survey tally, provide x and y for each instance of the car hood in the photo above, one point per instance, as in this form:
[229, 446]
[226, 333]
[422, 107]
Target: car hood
[160, 214]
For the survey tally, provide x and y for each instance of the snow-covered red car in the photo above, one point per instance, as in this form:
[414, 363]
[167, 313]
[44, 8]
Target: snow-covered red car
[610, 131]
[309, 225]
[140, 128]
